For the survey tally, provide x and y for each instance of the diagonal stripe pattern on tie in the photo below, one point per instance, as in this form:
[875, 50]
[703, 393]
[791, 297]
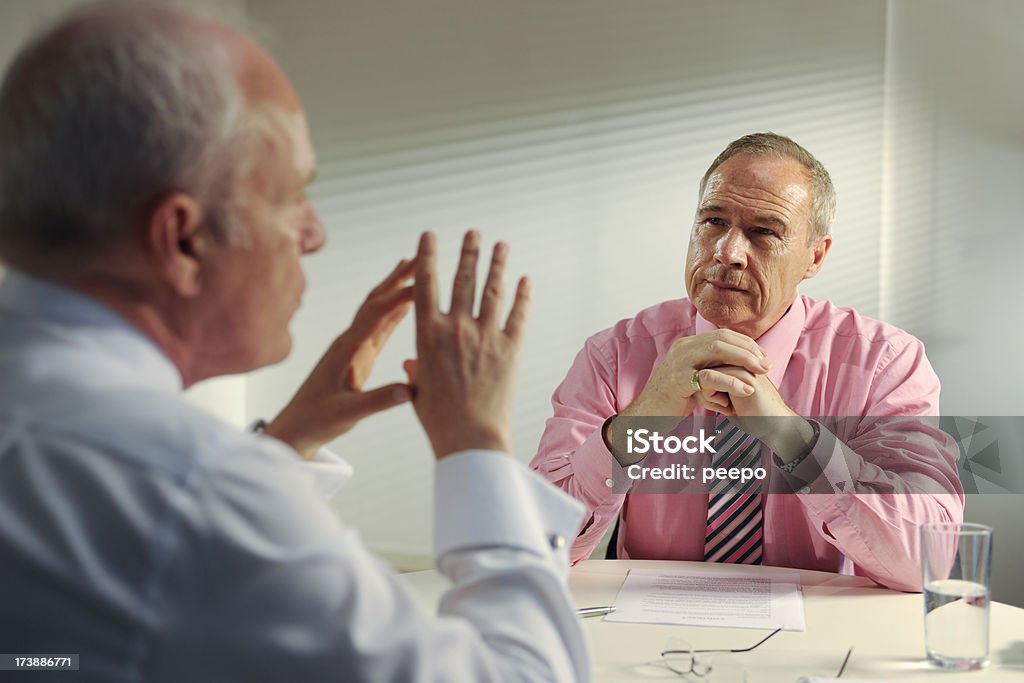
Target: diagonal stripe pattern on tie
[735, 533]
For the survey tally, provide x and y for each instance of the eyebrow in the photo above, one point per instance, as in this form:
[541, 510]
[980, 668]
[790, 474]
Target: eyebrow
[762, 219]
[770, 220]
[709, 208]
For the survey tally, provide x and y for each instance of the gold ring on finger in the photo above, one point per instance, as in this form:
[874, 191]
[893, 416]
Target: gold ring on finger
[695, 380]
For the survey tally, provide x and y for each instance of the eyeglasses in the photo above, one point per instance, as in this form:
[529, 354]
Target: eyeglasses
[683, 660]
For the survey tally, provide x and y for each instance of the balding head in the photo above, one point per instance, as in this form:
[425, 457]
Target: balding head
[113, 108]
[261, 79]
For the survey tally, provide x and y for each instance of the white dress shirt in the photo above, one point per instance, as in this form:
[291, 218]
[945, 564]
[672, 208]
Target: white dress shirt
[160, 544]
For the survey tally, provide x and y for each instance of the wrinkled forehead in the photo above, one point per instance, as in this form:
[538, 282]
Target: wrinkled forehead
[287, 130]
[759, 178]
[279, 159]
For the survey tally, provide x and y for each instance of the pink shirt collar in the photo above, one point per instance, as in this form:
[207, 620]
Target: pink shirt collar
[778, 342]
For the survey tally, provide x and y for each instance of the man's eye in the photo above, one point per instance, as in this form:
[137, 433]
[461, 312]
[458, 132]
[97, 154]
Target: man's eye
[714, 221]
[763, 231]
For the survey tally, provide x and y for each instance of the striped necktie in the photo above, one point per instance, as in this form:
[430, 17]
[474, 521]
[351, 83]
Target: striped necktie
[734, 533]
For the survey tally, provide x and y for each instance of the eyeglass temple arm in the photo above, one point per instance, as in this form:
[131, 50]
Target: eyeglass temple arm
[842, 668]
[744, 649]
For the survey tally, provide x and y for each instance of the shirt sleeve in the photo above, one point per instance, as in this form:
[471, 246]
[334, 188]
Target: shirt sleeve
[268, 585]
[572, 452]
[332, 472]
[869, 483]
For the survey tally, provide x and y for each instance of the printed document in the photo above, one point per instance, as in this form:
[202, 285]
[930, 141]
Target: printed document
[694, 597]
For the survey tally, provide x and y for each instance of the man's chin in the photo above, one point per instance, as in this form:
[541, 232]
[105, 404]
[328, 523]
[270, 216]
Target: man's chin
[267, 356]
[242, 361]
[282, 351]
[722, 314]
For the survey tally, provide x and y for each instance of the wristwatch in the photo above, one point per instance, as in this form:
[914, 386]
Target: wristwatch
[259, 426]
[792, 464]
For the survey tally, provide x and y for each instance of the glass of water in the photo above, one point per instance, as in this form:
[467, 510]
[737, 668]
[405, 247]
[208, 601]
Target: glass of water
[956, 564]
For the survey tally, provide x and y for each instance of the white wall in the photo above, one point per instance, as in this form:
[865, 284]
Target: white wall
[22, 18]
[577, 131]
[955, 173]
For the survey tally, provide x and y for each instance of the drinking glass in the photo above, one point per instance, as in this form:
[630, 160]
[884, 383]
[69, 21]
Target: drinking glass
[956, 566]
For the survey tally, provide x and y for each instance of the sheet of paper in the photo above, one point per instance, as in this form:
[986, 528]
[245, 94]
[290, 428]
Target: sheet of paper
[691, 597]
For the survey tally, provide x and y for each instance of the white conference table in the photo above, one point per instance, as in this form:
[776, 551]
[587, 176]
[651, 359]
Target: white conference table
[885, 628]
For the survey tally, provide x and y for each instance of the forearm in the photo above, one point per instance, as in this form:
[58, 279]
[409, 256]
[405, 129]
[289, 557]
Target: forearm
[792, 440]
[878, 533]
[868, 495]
[586, 471]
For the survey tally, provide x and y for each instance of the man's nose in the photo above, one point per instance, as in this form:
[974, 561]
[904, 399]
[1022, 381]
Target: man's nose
[731, 249]
[313, 236]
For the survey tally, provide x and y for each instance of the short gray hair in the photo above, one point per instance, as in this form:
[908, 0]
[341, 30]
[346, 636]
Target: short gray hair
[102, 115]
[823, 193]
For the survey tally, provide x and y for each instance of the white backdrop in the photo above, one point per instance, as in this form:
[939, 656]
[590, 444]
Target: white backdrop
[954, 174]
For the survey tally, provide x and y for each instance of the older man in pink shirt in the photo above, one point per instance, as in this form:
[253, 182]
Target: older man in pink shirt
[746, 344]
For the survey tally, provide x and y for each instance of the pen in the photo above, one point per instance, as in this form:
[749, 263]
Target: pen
[595, 611]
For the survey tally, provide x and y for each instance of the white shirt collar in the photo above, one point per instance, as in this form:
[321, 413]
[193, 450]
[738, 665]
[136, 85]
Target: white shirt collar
[90, 325]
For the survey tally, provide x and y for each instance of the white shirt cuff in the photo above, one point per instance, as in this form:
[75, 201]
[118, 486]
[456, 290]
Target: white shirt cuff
[485, 499]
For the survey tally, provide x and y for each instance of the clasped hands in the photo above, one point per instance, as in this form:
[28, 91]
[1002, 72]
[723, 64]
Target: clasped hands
[724, 372]
[460, 383]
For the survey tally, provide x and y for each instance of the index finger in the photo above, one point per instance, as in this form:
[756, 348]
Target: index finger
[425, 287]
[732, 348]
[740, 340]
[516, 321]
[395, 279]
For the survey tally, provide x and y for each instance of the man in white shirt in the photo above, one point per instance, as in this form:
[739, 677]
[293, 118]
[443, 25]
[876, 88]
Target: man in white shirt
[152, 216]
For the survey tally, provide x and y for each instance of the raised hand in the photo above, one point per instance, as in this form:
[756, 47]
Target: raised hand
[464, 374]
[332, 399]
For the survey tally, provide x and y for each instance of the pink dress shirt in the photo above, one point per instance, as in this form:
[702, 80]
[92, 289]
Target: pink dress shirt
[826, 361]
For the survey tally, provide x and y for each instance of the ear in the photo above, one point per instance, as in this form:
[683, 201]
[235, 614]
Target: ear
[175, 242]
[818, 256]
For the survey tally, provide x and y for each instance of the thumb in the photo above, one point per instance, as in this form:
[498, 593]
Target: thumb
[410, 366]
